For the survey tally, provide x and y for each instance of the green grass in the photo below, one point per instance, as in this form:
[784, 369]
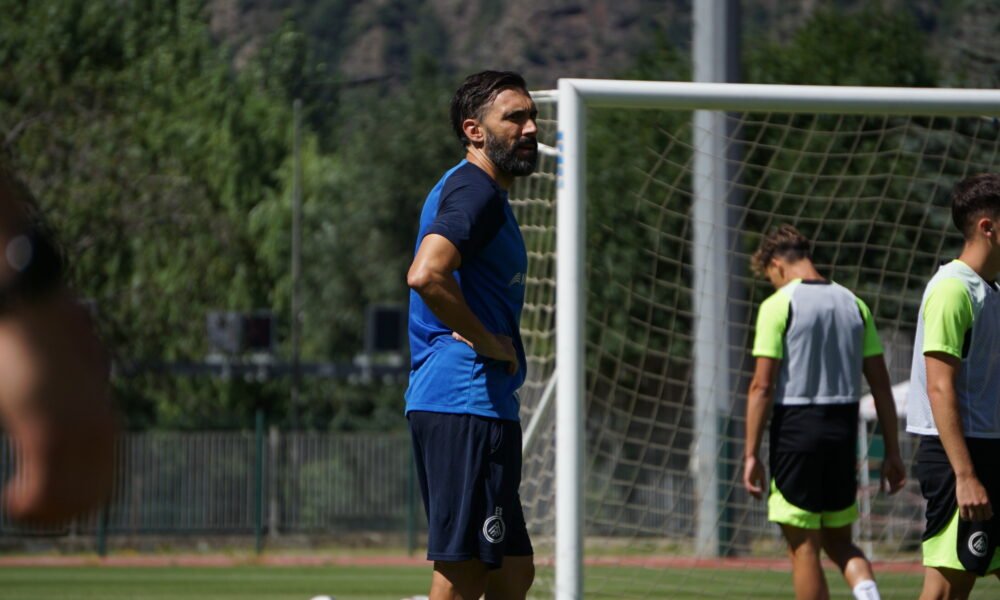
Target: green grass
[205, 583]
[734, 584]
[393, 583]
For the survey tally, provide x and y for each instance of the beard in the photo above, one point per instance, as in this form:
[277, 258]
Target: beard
[506, 156]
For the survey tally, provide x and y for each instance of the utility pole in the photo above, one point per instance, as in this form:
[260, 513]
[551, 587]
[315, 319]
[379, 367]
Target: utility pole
[296, 259]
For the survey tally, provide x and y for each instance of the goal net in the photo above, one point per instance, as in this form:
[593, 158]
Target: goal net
[649, 502]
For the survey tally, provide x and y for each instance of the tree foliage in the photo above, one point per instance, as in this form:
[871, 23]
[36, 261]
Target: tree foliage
[168, 175]
[147, 153]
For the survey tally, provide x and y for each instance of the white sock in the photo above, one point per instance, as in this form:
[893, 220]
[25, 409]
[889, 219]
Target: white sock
[866, 590]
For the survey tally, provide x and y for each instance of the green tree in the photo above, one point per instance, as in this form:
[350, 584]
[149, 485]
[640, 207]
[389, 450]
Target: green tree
[361, 207]
[870, 46]
[147, 152]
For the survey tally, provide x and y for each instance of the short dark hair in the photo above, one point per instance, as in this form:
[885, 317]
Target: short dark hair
[783, 241]
[476, 93]
[975, 197]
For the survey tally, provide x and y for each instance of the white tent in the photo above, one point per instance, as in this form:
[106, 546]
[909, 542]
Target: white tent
[899, 393]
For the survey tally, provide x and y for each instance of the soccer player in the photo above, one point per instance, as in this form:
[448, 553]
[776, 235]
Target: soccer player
[467, 359]
[954, 399]
[54, 393]
[813, 341]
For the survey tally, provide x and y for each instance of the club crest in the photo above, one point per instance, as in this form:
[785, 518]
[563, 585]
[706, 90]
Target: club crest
[979, 542]
[494, 528]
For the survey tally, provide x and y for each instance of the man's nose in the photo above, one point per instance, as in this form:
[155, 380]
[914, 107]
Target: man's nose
[530, 128]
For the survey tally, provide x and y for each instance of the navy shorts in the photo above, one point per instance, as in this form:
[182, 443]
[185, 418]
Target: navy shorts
[469, 469]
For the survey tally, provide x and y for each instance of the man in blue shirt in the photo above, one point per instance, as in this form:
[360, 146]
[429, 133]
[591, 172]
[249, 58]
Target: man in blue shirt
[467, 359]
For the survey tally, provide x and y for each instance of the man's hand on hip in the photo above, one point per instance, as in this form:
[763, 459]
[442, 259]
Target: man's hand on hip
[496, 346]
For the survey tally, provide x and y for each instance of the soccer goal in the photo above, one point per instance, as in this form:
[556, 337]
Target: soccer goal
[639, 311]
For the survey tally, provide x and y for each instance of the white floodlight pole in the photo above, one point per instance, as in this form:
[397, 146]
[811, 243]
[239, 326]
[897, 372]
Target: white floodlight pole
[716, 55]
[570, 314]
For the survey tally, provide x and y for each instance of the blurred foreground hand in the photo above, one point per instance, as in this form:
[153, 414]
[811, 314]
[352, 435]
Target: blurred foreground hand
[55, 405]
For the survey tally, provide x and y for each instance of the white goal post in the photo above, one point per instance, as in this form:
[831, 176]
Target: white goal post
[575, 96]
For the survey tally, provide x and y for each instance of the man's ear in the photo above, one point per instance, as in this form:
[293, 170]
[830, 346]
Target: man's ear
[473, 130]
[984, 225]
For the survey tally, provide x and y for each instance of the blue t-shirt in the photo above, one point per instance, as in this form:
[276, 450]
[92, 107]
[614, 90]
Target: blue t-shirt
[470, 210]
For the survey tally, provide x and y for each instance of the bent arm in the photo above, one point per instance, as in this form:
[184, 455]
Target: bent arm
[432, 276]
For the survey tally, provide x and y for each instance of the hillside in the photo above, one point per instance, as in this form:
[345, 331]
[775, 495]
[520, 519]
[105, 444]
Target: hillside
[546, 39]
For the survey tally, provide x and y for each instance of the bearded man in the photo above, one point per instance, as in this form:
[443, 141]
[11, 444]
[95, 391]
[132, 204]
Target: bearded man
[467, 360]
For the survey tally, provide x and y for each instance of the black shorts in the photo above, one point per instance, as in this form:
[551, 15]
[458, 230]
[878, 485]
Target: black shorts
[469, 469]
[949, 541]
[818, 482]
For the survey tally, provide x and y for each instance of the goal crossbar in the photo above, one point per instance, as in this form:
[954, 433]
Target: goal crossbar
[607, 93]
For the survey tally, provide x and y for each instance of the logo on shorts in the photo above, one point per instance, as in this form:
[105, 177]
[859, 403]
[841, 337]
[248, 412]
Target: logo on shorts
[979, 542]
[494, 528]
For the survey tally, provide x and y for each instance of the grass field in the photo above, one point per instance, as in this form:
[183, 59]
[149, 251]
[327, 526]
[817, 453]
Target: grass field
[205, 583]
[393, 583]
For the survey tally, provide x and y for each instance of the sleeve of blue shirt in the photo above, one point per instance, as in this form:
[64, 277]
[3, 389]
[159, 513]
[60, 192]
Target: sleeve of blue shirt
[471, 212]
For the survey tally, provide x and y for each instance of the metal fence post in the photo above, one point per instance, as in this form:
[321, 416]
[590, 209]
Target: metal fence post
[259, 482]
[272, 482]
[102, 531]
[411, 513]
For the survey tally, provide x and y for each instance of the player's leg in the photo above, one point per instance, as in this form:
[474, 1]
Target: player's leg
[941, 583]
[451, 453]
[458, 580]
[794, 502]
[517, 569]
[838, 490]
[807, 573]
[851, 561]
[513, 580]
